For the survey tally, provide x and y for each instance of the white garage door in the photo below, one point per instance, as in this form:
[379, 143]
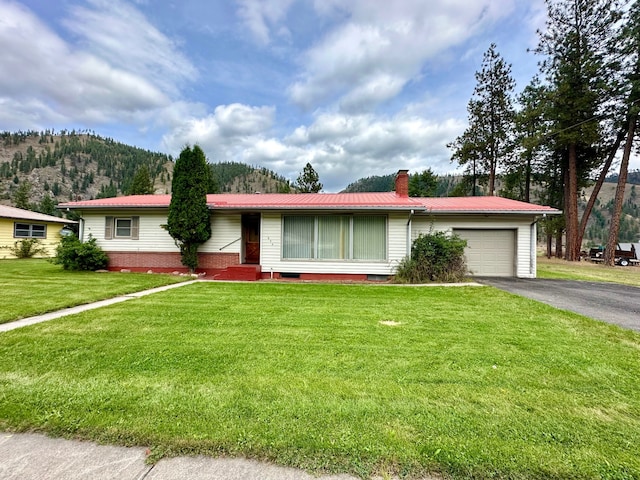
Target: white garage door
[489, 253]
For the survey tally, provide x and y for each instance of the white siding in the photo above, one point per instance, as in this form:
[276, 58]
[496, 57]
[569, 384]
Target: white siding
[152, 237]
[525, 266]
[226, 233]
[271, 250]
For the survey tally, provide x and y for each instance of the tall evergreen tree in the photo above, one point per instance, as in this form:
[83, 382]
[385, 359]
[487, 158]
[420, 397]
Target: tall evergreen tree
[577, 65]
[423, 184]
[308, 181]
[189, 222]
[47, 205]
[629, 47]
[142, 183]
[486, 142]
[22, 195]
[530, 131]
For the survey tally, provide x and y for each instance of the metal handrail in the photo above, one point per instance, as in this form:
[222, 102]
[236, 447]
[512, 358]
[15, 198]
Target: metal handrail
[230, 243]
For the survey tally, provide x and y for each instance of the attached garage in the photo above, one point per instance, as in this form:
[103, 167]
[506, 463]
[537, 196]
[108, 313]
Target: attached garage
[490, 253]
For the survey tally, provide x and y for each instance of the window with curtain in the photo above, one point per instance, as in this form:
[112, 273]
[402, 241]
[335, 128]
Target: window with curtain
[297, 238]
[335, 237]
[369, 238]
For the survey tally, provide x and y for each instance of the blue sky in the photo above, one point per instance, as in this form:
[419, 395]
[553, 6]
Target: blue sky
[357, 88]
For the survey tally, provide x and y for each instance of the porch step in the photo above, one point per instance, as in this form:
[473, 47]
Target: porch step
[245, 273]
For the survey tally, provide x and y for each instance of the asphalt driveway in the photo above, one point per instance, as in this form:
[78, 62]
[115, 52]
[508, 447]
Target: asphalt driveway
[608, 302]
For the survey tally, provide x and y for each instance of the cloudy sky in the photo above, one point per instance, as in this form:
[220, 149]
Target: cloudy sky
[356, 88]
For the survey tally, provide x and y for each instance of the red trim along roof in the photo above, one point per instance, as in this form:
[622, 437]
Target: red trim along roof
[330, 201]
[20, 214]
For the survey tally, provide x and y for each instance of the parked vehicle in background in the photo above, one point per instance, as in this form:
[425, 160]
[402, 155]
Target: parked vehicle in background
[626, 254]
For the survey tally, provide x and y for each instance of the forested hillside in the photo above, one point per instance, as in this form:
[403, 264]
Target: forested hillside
[40, 169]
[235, 177]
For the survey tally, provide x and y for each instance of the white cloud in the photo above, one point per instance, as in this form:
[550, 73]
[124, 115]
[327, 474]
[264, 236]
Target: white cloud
[381, 46]
[225, 133]
[42, 71]
[339, 146]
[119, 34]
[46, 81]
[263, 16]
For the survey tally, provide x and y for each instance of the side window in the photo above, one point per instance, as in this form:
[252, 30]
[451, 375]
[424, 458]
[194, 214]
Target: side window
[29, 230]
[121, 227]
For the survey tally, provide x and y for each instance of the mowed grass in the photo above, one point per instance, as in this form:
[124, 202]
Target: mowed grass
[587, 271]
[33, 286]
[471, 382]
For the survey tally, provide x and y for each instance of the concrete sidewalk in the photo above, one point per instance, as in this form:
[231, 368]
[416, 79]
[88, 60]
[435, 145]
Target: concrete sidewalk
[5, 327]
[26, 456]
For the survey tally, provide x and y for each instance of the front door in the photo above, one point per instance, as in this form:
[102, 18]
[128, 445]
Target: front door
[251, 237]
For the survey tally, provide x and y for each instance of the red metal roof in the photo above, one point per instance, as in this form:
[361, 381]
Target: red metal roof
[319, 201]
[483, 205]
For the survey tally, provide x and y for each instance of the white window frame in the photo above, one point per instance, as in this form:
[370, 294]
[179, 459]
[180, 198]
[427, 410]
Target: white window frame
[111, 228]
[116, 227]
[30, 232]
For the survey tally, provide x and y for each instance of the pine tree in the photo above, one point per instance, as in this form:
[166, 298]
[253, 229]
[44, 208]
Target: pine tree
[629, 46]
[486, 142]
[142, 184]
[308, 181]
[577, 47]
[22, 195]
[189, 222]
[531, 129]
[47, 205]
[423, 184]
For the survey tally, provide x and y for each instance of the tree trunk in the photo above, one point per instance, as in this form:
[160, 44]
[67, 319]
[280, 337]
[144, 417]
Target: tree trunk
[571, 202]
[559, 244]
[527, 180]
[474, 178]
[614, 229]
[492, 184]
[549, 245]
[596, 188]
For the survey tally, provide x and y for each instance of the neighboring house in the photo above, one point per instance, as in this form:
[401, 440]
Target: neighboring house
[17, 224]
[311, 236]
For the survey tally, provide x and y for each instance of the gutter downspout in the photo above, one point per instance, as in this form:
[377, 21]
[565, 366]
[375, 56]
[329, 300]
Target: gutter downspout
[80, 226]
[81, 229]
[533, 237]
[409, 231]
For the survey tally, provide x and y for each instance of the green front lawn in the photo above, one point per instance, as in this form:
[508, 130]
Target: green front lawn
[366, 379]
[33, 286]
[587, 271]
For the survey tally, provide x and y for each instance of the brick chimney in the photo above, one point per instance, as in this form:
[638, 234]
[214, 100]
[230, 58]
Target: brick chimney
[402, 183]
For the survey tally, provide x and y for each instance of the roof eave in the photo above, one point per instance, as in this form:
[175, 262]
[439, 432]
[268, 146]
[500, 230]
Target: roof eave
[494, 212]
[315, 207]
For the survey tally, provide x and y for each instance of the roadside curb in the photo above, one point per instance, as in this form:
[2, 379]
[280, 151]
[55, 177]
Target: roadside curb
[23, 322]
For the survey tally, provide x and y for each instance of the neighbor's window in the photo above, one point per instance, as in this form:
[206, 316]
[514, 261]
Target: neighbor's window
[29, 230]
[334, 237]
[121, 227]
